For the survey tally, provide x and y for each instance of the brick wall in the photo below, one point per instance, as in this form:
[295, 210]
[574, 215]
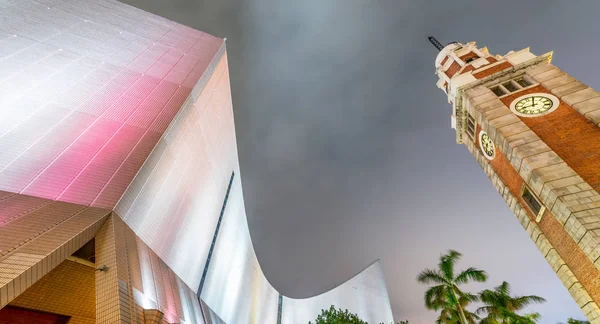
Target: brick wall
[69, 289]
[570, 135]
[506, 180]
[559, 239]
[566, 234]
[454, 67]
[491, 70]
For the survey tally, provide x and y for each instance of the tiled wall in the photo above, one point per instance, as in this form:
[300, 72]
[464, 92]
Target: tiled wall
[36, 235]
[137, 286]
[67, 290]
[86, 90]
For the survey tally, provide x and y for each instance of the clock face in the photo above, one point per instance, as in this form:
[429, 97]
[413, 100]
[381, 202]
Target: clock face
[534, 105]
[487, 145]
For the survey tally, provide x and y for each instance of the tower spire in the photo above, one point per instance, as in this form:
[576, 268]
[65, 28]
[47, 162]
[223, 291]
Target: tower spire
[435, 43]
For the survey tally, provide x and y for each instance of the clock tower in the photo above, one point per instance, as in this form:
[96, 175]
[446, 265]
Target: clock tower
[535, 132]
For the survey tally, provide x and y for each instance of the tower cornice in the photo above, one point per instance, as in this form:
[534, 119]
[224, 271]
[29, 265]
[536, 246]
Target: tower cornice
[458, 108]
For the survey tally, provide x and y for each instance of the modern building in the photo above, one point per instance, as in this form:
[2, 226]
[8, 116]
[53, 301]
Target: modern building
[120, 191]
[535, 131]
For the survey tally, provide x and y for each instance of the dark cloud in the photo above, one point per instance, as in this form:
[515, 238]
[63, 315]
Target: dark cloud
[345, 143]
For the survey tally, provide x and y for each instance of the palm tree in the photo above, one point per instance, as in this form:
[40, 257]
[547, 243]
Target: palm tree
[502, 308]
[446, 295]
[451, 315]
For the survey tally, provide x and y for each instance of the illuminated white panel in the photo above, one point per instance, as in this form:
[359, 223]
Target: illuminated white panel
[365, 294]
[87, 88]
[211, 316]
[173, 203]
[235, 287]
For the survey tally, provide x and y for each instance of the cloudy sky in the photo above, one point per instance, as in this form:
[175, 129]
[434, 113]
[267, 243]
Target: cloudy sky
[345, 144]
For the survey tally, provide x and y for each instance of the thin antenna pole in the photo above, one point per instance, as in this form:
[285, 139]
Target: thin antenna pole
[435, 43]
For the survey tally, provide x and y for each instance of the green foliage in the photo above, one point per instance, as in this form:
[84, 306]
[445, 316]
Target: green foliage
[574, 321]
[502, 308]
[452, 316]
[333, 316]
[445, 295]
[339, 316]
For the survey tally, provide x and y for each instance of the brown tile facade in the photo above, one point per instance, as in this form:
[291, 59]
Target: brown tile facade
[69, 290]
[37, 236]
[138, 287]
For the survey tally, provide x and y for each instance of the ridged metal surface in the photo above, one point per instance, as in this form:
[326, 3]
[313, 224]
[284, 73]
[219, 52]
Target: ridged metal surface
[174, 204]
[86, 90]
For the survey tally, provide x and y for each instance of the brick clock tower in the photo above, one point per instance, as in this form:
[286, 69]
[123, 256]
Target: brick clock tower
[535, 131]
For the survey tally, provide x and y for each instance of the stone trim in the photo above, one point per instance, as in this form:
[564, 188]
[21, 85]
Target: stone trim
[572, 92]
[549, 177]
[562, 270]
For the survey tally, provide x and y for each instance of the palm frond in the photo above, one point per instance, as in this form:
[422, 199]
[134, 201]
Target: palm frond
[534, 317]
[521, 302]
[466, 298]
[447, 262]
[436, 297]
[485, 310]
[489, 320]
[490, 297]
[471, 274]
[501, 307]
[503, 289]
[429, 276]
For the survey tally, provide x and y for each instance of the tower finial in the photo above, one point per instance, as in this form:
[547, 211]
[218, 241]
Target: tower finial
[436, 43]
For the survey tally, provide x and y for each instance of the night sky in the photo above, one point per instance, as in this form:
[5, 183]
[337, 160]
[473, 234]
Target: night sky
[345, 144]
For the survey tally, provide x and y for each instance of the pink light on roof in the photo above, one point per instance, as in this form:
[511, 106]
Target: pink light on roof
[82, 107]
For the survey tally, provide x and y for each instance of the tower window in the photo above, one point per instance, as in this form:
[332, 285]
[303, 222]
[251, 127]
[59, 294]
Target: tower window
[470, 126]
[533, 203]
[499, 91]
[510, 86]
[523, 82]
[471, 59]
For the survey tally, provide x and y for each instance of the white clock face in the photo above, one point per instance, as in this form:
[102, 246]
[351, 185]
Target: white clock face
[487, 145]
[534, 105]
